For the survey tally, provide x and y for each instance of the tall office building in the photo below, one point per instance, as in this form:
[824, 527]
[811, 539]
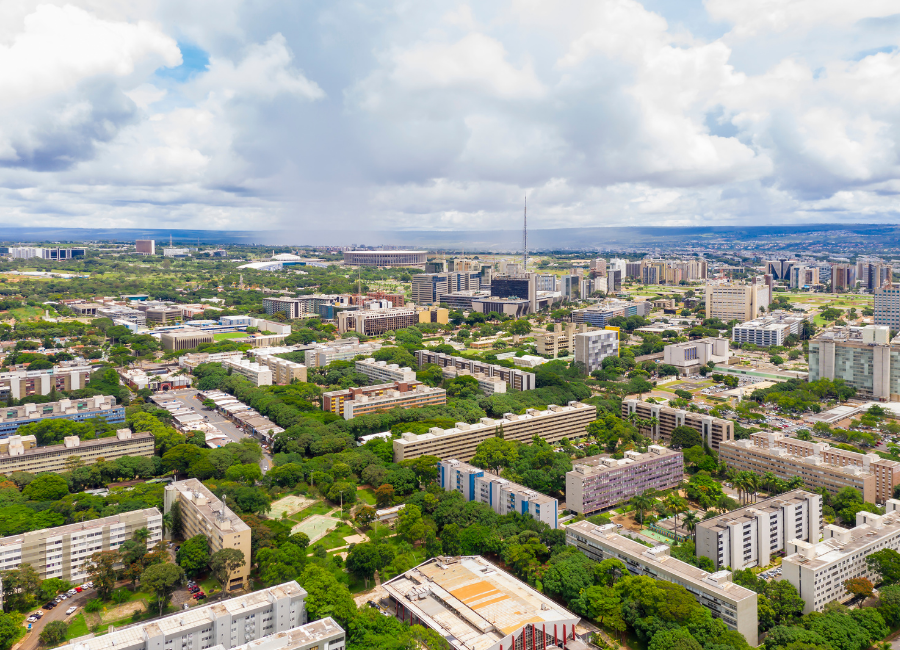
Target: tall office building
[780, 269]
[145, 246]
[887, 306]
[862, 357]
[729, 301]
[429, 288]
[872, 275]
[591, 348]
[843, 277]
[803, 276]
[523, 286]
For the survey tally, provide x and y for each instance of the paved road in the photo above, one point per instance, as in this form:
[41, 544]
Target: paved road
[32, 639]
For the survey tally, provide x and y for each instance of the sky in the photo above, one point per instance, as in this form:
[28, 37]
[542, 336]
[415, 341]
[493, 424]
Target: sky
[304, 114]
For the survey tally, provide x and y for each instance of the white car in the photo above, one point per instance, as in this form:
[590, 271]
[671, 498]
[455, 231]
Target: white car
[71, 610]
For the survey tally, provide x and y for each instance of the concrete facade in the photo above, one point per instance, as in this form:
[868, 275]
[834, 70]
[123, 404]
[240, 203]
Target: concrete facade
[104, 406]
[731, 301]
[713, 431]
[382, 371]
[21, 453]
[689, 356]
[865, 358]
[514, 378]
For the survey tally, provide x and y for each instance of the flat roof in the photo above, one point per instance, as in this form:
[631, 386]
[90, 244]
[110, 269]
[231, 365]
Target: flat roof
[597, 464]
[860, 537]
[81, 526]
[766, 505]
[212, 507]
[83, 444]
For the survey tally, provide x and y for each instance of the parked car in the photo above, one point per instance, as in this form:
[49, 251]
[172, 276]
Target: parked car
[49, 605]
[31, 619]
[199, 595]
[71, 610]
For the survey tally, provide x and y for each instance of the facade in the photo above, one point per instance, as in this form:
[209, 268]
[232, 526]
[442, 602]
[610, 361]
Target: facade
[63, 551]
[865, 358]
[118, 313]
[487, 385]
[382, 371]
[386, 259]
[21, 453]
[392, 398]
[104, 406]
[164, 314]
[22, 383]
[600, 482]
[817, 463]
[283, 371]
[803, 276]
[600, 314]
[689, 356]
[714, 431]
[258, 619]
[780, 269]
[512, 307]
[202, 513]
[430, 288]
[145, 246]
[501, 495]
[474, 604]
[749, 536]
[735, 605]
[521, 286]
[553, 424]
[515, 379]
[297, 307]
[185, 339]
[872, 274]
[320, 355]
[843, 277]
[58, 253]
[819, 569]
[333, 400]
[375, 322]
[731, 301]
[768, 330]
[887, 306]
[592, 347]
[259, 374]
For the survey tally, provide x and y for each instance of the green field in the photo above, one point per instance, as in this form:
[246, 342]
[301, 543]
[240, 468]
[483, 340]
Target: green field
[224, 336]
[366, 495]
[78, 627]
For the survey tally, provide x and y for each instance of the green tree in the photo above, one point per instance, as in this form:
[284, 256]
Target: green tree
[495, 453]
[223, 563]
[365, 516]
[410, 525]
[193, 555]
[326, 596]
[46, 487]
[684, 437]
[102, 571]
[782, 603]
[163, 580]
[384, 495]
[675, 639]
[20, 587]
[886, 563]
[54, 633]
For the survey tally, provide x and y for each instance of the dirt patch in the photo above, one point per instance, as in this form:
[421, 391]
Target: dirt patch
[122, 611]
[627, 521]
[289, 505]
[355, 539]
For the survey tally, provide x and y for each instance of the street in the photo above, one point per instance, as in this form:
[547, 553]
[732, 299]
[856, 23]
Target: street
[32, 639]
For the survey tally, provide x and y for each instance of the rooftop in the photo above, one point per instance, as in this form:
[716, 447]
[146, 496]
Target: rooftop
[210, 507]
[605, 462]
[767, 505]
[93, 524]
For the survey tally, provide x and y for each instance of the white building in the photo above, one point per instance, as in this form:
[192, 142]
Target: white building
[501, 495]
[690, 355]
[321, 355]
[592, 347]
[768, 330]
[257, 373]
[381, 372]
[819, 569]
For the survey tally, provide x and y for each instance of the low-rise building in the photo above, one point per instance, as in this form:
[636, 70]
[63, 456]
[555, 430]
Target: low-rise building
[750, 536]
[690, 356]
[561, 339]
[283, 370]
[202, 513]
[104, 406]
[600, 482]
[592, 347]
[769, 330]
[862, 356]
[184, 339]
[486, 384]
[259, 374]
[819, 570]
[21, 453]
[321, 355]
[22, 383]
[552, 424]
[472, 603]
[735, 605]
[138, 379]
[712, 430]
[382, 371]
[400, 396]
[501, 495]
[334, 400]
[600, 314]
[514, 378]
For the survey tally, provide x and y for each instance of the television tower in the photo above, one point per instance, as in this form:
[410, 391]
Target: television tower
[525, 238]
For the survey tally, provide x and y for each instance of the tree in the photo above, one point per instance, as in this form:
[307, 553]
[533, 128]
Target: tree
[365, 559]
[783, 602]
[677, 505]
[684, 437]
[860, 588]
[642, 502]
[519, 327]
[223, 563]
[193, 555]
[326, 596]
[102, 571]
[410, 525]
[495, 453]
[54, 633]
[46, 487]
[384, 496]
[365, 516]
[675, 639]
[163, 580]
[886, 563]
[20, 587]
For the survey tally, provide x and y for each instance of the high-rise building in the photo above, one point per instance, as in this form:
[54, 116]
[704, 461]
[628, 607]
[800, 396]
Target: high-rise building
[523, 286]
[749, 536]
[729, 301]
[374, 322]
[862, 357]
[599, 266]
[872, 275]
[592, 347]
[843, 277]
[430, 288]
[600, 482]
[780, 269]
[803, 276]
[887, 306]
[145, 247]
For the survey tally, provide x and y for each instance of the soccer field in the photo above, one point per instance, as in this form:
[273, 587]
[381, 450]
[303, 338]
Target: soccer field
[224, 336]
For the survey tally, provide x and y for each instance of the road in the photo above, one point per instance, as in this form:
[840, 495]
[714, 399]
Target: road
[190, 398]
[32, 639]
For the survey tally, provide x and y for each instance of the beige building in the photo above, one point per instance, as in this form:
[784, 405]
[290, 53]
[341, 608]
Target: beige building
[561, 338]
[202, 513]
[184, 339]
[386, 259]
[258, 374]
[749, 536]
[689, 356]
[21, 383]
[817, 463]
[460, 442]
[63, 551]
[713, 431]
[21, 453]
[383, 372]
[735, 605]
[862, 357]
[375, 322]
[401, 396]
[283, 371]
[729, 301]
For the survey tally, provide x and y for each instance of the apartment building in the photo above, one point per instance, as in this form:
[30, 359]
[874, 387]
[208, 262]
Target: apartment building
[803, 276]
[430, 288]
[63, 551]
[254, 621]
[22, 383]
[749, 536]
[689, 356]
[819, 569]
[298, 307]
[473, 604]
[375, 322]
[887, 306]
[730, 301]
[735, 605]
[487, 385]
[321, 354]
[714, 431]
[768, 330]
[283, 371]
[401, 396]
[334, 400]
[600, 482]
[515, 379]
[21, 453]
[861, 356]
[104, 406]
[386, 259]
[202, 513]
[503, 496]
[259, 374]
[185, 339]
[382, 371]
[600, 314]
[552, 424]
[818, 463]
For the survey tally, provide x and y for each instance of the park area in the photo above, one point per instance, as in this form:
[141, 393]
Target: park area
[224, 336]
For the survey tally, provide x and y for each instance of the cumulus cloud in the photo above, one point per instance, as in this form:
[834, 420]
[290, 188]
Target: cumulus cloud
[443, 115]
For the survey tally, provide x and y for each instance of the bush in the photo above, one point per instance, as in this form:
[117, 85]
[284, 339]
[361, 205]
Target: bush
[93, 605]
[120, 596]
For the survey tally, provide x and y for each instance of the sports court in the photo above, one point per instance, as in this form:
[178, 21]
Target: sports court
[316, 526]
[289, 505]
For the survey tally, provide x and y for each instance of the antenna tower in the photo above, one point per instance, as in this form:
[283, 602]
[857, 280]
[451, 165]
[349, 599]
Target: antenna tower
[525, 238]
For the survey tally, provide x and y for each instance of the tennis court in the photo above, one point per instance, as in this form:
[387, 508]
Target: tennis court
[289, 505]
[316, 526]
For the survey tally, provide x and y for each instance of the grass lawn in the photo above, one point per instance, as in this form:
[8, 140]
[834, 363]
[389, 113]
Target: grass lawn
[224, 336]
[27, 313]
[77, 627]
[336, 537]
[366, 496]
[319, 508]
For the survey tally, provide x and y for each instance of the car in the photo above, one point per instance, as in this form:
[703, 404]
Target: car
[49, 605]
[31, 619]
[199, 595]
[71, 610]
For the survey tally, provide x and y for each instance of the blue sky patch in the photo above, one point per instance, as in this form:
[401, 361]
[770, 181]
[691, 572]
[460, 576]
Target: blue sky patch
[194, 60]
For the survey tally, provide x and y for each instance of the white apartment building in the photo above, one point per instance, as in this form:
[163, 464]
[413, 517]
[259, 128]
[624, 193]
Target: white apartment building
[283, 371]
[487, 384]
[691, 355]
[819, 569]
[731, 301]
[227, 623]
[769, 330]
[381, 372]
[735, 605]
[591, 348]
[321, 355]
[63, 551]
[503, 496]
[748, 537]
[257, 373]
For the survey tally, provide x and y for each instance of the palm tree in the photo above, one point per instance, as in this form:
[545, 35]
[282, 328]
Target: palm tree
[167, 523]
[753, 485]
[642, 502]
[653, 421]
[769, 480]
[795, 483]
[690, 522]
[677, 505]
